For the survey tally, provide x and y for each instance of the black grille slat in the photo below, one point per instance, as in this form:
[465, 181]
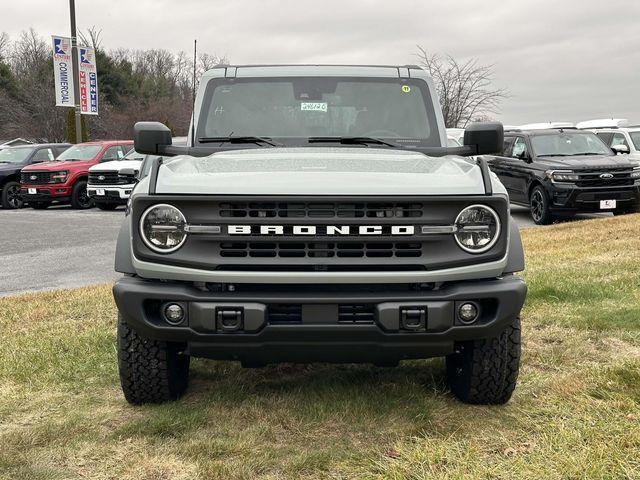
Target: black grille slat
[284, 313]
[356, 313]
[321, 210]
[320, 249]
[40, 178]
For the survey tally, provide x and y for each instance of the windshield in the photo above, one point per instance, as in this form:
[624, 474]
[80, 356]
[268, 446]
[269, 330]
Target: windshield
[133, 155]
[565, 144]
[14, 155]
[635, 138]
[292, 110]
[80, 152]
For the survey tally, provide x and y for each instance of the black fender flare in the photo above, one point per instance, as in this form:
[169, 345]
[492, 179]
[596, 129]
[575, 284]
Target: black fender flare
[123, 261]
[515, 256]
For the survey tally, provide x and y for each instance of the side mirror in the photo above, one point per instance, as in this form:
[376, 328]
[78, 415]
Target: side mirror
[618, 149]
[485, 138]
[149, 136]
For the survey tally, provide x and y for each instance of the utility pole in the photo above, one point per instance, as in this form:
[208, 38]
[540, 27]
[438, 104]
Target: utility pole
[76, 69]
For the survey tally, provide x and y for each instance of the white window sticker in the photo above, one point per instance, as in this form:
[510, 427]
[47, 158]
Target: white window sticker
[313, 106]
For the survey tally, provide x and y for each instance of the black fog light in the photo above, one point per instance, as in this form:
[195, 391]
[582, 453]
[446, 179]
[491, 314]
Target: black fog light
[173, 313]
[468, 313]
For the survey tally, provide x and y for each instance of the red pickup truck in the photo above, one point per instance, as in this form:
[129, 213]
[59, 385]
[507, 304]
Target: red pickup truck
[64, 180]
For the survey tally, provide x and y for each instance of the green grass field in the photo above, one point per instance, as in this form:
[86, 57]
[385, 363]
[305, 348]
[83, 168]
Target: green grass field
[575, 413]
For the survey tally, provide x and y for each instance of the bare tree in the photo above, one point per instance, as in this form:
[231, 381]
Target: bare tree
[4, 45]
[92, 38]
[465, 89]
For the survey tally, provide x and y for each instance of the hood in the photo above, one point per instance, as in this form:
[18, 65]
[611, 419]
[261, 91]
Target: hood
[116, 166]
[320, 171]
[55, 166]
[9, 167]
[588, 162]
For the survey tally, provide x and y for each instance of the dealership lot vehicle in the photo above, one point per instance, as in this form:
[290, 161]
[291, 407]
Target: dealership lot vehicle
[561, 172]
[65, 180]
[110, 183]
[13, 159]
[618, 133]
[333, 226]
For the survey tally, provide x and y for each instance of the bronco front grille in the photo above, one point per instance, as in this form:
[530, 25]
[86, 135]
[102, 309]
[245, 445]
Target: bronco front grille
[321, 249]
[321, 210]
[35, 178]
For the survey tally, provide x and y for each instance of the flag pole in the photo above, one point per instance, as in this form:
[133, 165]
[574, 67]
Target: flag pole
[74, 62]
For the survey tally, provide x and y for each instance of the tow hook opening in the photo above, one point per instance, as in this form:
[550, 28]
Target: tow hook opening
[229, 319]
[413, 319]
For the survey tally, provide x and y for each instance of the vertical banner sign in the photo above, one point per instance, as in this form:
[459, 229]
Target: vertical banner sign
[63, 72]
[88, 78]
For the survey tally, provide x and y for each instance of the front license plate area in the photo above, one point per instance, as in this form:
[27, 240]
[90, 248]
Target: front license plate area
[100, 192]
[32, 191]
[608, 204]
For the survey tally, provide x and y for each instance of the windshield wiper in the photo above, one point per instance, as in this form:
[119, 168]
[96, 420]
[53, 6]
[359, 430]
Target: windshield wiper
[353, 141]
[5, 161]
[587, 153]
[554, 155]
[240, 139]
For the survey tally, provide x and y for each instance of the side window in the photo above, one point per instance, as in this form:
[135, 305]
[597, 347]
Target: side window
[606, 137]
[508, 145]
[519, 148]
[43, 155]
[125, 149]
[112, 153]
[619, 139]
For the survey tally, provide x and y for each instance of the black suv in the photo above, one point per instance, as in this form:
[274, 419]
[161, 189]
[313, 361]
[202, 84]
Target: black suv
[561, 172]
[13, 159]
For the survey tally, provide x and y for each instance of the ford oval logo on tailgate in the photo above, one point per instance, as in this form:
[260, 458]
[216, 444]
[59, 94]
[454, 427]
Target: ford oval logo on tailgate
[606, 176]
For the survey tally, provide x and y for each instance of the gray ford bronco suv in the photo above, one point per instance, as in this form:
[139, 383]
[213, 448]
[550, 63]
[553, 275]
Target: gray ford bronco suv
[317, 215]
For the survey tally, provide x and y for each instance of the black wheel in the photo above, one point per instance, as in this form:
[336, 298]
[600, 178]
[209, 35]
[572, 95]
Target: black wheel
[539, 205]
[11, 197]
[150, 371]
[485, 371]
[106, 206]
[40, 205]
[80, 199]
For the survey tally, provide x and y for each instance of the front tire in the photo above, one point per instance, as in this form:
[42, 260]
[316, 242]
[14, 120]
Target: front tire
[539, 206]
[151, 371]
[106, 206]
[485, 372]
[80, 199]
[11, 198]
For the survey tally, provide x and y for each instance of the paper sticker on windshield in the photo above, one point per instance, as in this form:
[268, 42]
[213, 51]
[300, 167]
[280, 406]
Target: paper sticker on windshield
[313, 106]
[406, 88]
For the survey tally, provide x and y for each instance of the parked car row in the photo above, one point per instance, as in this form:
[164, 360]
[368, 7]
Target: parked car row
[560, 169]
[101, 173]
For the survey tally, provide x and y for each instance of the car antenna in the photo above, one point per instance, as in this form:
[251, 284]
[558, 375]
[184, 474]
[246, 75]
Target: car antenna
[193, 94]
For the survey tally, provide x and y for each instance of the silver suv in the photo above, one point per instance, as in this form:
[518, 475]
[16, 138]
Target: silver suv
[317, 214]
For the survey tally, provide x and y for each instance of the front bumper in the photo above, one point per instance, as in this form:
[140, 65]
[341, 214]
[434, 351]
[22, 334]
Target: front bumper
[118, 194]
[569, 198]
[45, 193]
[321, 330]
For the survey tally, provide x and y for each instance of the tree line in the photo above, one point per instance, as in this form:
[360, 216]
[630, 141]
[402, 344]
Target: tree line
[156, 84]
[133, 85]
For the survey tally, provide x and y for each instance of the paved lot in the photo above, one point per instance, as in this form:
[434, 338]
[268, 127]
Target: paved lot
[65, 248]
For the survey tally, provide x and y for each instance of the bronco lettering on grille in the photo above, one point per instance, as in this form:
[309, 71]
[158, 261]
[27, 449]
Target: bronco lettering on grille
[323, 230]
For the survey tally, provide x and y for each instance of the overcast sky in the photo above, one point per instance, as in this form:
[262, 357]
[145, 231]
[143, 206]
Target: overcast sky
[561, 60]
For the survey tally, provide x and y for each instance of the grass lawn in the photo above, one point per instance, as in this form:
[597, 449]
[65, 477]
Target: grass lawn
[575, 413]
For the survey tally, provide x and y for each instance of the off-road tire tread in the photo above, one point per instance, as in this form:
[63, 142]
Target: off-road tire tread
[151, 371]
[485, 371]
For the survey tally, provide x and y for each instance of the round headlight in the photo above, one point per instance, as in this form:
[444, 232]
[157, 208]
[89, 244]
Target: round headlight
[162, 228]
[478, 228]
